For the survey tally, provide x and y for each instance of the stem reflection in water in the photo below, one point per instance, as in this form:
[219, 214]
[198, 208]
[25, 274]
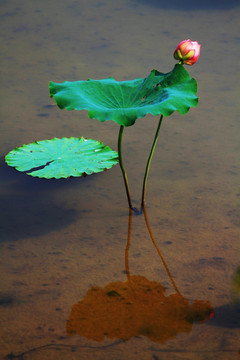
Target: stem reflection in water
[158, 250]
[135, 307]
[154, 243]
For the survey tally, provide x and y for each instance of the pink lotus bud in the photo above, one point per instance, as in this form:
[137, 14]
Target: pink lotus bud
[187, 52]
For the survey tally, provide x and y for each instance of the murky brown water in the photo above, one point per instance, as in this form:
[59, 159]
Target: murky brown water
[63, 240]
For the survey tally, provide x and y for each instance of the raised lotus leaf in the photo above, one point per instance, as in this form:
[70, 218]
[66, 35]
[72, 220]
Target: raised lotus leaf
[125, 101]
[62, 158]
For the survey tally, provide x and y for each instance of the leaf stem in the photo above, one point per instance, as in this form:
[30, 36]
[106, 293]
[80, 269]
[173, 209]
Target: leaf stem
[128, 245]
[122, 167]
[149, 161]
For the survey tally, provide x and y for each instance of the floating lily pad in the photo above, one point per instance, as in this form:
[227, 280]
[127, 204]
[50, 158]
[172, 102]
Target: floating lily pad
[61, 158]
[125, 101]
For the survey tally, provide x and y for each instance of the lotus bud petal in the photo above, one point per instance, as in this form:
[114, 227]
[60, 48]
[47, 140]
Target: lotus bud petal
[187, 52]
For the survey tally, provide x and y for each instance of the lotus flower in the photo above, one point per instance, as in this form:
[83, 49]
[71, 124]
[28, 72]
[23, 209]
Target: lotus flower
[187, 52]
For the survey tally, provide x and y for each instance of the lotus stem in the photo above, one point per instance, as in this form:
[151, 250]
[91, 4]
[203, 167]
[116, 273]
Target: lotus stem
[122, 167]
[128, 245]
[149, 161]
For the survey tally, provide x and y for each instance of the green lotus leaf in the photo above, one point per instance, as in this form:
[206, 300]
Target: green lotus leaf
[61, 158]
[126, 101]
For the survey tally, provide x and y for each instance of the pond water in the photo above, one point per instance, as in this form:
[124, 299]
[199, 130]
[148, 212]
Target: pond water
[80, 279]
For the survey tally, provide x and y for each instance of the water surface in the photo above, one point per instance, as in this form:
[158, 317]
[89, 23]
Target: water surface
[61, 239]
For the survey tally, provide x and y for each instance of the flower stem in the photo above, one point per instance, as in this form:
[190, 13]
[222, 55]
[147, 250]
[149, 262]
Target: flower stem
[149, 161]
[122, 167]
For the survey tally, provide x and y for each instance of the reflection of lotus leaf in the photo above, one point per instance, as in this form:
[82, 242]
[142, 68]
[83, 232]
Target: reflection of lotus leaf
[126, 101]
[136, 307]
